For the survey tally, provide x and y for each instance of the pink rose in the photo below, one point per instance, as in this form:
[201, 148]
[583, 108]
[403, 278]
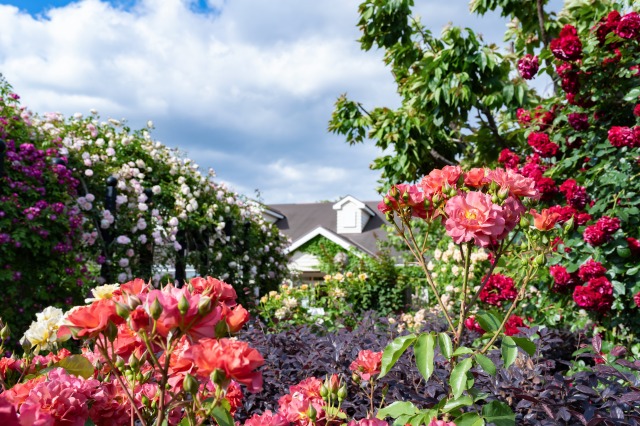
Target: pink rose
[473, 216]
[437, 179]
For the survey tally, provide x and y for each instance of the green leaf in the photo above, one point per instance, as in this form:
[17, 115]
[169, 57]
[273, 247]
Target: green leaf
[425, 352]
[527, 345]
[397, 409]
[633, 271]
[77, 365]
[498, 413]
[469, 419]
[462, 350]
[488, 321]
[222, 416]
[446, 346]
[487, 365]
[509, 351]
[89, 422]
[394, 351]
[452, 404]
[458, 380]
[633, 95]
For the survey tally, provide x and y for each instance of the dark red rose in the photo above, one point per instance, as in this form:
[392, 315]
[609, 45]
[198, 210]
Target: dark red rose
[579, 121]
[542, 145]
[528, 66]
[567, 47]
[591, 269]
[629, 26]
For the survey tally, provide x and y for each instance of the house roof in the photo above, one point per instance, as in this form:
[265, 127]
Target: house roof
[302, 222]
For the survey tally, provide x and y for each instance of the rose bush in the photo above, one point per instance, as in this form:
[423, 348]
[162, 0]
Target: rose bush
[54, 213]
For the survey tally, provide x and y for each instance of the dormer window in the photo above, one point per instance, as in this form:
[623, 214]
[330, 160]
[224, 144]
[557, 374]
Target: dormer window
[352, 215]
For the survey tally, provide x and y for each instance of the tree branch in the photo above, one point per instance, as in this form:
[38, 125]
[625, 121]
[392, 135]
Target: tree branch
[491, 123]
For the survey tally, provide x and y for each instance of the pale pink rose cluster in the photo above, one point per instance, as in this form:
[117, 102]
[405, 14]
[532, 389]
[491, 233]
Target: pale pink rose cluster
[481, 205]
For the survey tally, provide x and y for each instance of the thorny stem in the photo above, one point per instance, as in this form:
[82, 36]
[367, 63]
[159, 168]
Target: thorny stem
[413, 246]
[465, 283]
[105, 354]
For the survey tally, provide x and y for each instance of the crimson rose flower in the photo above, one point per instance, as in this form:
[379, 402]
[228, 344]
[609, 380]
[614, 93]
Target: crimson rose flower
[591, 269]
[596, 295]
[562, 279]
[542, 145]
[567, 47]
[528, 66]
[499, 288]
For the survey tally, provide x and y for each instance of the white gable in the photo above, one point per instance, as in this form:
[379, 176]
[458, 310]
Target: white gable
[352, 215]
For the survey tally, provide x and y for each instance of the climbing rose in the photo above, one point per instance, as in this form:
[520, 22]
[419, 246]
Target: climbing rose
[438, 179]
[517, 184]
[579, 121]
[623, 136]
[542, 145]
[509, 158]
[567, 47]
[596, 295]
[636, 299]
[634, 246]
[402, 196]
[367, 364]
[595, 236]
[528, 66]
[472, 325]
[511, 327]
[473, 216]
[608, 224]
[591, 269]
[499, 288]
[629, 26]
[562, 279]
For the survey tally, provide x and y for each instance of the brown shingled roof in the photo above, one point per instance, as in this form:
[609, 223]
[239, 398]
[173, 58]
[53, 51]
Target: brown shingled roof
[301, 219]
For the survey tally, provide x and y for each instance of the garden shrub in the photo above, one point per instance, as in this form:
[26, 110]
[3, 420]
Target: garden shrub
[54, 214]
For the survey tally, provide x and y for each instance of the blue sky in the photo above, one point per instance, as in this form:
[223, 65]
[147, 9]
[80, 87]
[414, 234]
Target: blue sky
[245, 87]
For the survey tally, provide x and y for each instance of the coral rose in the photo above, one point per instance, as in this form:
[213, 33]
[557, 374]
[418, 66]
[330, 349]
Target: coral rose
[437, 179]
[234, 358]
[475, 178]
[545, 220]
[367, 364]
[473, 216]
[267, 419]
[517, 184]
[89, 321]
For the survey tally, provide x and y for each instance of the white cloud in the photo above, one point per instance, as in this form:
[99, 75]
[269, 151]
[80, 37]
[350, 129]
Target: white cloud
[247, 89]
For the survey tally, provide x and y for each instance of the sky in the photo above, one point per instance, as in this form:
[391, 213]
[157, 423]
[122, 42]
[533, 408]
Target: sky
[245, 87]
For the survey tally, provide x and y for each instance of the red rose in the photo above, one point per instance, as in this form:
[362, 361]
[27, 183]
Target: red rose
[579, 121]
[528, 66]
[542, 145]
[591, 269]
[513, 324]
[629, 26]
[595, 236]
[596, 295]
[523, 116]
[608, 224]
[509, 158]
[634, 246]
[563, 280]
[499, 288]
[567, 47]
[636, 299]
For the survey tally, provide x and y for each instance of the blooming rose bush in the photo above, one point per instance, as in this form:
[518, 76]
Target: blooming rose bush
[584, 160]
[54, 213]
[482, 210]
[149, 355]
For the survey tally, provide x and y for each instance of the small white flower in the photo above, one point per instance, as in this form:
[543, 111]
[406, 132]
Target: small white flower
[88, 172]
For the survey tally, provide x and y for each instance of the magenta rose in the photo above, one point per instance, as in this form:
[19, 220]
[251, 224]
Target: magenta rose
[528, 66]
